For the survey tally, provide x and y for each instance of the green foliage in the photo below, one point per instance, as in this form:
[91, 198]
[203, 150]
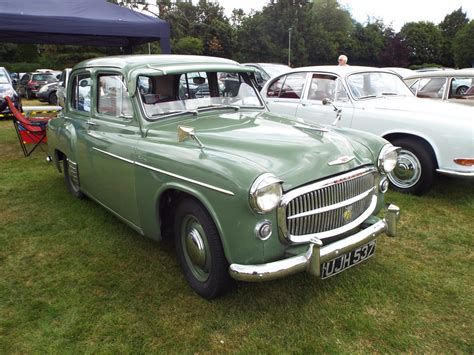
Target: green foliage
[463, 46]
[423, 40]
[449, 27]
[188, 45]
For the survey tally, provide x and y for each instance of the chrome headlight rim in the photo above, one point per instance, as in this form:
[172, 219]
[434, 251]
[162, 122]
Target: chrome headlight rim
[264, 181]
[387, 159]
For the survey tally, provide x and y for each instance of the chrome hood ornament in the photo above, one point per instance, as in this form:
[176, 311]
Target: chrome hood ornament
[342, 160]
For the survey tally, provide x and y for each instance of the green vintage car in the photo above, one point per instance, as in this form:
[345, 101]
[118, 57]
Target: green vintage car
[184, 147]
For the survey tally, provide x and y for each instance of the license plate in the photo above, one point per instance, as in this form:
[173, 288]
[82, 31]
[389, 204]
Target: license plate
[343, 262]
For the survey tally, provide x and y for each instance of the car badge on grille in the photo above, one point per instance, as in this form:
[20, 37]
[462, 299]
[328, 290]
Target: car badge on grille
[347, 215]
[342, 160]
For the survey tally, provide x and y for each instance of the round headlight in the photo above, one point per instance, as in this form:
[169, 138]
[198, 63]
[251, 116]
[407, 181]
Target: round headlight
[265, 193]
[388, 158]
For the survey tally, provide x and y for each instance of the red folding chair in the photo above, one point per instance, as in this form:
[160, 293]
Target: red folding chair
[29, 130]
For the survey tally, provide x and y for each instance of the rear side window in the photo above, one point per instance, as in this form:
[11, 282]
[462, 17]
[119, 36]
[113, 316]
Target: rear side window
[113, 98]
[81, 93]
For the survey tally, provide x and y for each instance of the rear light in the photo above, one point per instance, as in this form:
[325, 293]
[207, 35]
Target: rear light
[464, 162]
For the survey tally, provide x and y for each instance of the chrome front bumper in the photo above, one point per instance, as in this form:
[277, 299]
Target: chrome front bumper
[316, 255]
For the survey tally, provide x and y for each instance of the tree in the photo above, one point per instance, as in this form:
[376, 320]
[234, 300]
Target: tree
[424, 42]
[463, 46]
[449, 27]
[188, 45]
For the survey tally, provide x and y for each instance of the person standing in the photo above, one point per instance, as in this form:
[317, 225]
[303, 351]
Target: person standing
[342, 60]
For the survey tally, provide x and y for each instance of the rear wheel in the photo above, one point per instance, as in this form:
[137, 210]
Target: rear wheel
[200, 250]
[71, 175]
[461, 90]
[415, 169]
[53, 99]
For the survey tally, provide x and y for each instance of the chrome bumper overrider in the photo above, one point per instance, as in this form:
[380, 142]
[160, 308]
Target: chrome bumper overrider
[316, 254]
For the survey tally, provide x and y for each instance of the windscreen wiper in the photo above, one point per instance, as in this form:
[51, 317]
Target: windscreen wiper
[219, 106]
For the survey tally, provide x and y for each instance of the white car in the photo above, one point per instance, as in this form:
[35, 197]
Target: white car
[450, 85]
[434, 136]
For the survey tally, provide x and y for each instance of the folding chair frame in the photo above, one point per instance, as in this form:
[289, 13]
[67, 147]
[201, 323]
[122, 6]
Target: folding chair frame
[28, 131]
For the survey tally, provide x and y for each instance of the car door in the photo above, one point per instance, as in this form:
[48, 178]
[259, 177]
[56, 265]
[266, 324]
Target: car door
[322, 86]
[284, 94]
[112, 133]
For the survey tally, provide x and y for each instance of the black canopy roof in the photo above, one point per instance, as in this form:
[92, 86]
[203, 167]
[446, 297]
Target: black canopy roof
[79, 22]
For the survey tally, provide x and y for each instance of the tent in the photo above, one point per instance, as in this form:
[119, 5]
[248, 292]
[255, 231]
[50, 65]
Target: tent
[79, 22]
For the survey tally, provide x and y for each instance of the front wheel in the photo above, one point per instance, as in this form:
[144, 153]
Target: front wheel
[415, 169]
[71, 175]
[200, 250]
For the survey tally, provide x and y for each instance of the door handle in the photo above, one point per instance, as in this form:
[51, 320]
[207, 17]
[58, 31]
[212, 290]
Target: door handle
[91, 123]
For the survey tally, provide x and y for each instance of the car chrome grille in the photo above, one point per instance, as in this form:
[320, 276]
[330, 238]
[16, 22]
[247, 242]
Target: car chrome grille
[328, 207]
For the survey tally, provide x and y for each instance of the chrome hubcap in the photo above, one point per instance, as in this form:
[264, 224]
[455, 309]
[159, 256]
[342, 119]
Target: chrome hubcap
[195, 248]
[407, 172]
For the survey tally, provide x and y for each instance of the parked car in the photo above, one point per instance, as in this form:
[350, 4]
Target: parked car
[47, 93]
[402, 72]
[264, 71]
[434, 136]
[62, 84]
[246, 194]
[448, 85]
[30, 83]
[7, 89]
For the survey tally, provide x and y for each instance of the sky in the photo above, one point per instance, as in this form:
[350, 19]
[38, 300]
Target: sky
[394, 12]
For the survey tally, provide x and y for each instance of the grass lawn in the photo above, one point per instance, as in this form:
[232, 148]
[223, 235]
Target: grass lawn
[73, 278]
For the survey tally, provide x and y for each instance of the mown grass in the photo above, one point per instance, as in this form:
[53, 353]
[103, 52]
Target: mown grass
[73, 278]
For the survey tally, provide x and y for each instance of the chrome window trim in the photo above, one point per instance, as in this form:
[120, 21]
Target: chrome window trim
[283, 232]
[168, 173]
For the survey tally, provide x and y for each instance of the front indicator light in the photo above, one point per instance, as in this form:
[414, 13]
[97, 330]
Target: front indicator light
[263, 230]
[464, 162]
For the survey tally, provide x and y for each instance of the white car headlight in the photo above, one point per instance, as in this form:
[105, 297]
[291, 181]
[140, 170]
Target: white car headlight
[388, 158]
[265, 193]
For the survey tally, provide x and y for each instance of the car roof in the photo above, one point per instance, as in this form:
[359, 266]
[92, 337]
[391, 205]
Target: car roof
[167, 63]
[341, 69]
[441, 73]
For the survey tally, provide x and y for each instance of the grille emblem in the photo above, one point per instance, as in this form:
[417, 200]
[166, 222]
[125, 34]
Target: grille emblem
[347, 215]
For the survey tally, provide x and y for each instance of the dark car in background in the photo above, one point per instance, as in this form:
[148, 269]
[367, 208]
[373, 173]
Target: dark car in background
[7, 89]
[48, 93]
[30, 83]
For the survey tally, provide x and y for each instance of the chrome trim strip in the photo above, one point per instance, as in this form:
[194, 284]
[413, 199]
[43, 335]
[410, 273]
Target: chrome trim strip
[227, 192]
[316, 255]
[218, 189]
[455, 173]
[113, 155]
[335, 206]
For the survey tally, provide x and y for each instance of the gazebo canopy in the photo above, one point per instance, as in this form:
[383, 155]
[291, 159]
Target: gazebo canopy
[79, 22]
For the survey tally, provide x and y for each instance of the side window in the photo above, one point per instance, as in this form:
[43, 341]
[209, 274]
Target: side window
[431, 87]
[461, 87]
[275, 87]
[324, 87]
[293, 86]
[81, 93]
[112, 97]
